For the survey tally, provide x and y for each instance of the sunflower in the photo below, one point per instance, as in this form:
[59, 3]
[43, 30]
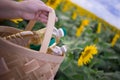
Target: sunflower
[74, 15]
[116, 37]
[53, 3]
[79, 31]
[85, 22]
[98, 28]
[81, 28]
[87, 55]
[65, 6]
[16, 20]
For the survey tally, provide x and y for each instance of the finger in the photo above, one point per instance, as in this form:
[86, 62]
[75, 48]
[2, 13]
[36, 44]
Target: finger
[42, 20]
[45, 13]
[43, 16]
[36, 16]
[46, 8]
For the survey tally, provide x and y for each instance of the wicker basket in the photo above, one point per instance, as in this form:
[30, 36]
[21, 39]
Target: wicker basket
[20, 63]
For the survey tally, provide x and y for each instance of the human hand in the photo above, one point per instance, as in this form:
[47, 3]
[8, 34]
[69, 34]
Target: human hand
[34, 10]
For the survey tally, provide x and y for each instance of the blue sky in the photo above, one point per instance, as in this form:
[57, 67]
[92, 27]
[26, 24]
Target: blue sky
[109, 10]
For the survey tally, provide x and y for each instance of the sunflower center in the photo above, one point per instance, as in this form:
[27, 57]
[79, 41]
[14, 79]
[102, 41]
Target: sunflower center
[52, 1]
[86, 53]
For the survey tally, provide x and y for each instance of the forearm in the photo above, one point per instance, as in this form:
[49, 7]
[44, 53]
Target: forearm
[9, 9]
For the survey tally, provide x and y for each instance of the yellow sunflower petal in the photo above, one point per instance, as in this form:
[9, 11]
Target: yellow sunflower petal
[114, 40]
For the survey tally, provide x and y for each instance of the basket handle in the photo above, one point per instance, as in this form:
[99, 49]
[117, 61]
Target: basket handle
[48, 33]
[30, 25]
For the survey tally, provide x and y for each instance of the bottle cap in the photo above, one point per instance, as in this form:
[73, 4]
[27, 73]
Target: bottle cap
[57, 50]
[52, 41]
[64, 48]
[55, 31]
[35, 47]
[64, 30]
[60, 32]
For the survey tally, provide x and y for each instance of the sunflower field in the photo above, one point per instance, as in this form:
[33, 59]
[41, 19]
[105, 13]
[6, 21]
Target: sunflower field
[93, 44]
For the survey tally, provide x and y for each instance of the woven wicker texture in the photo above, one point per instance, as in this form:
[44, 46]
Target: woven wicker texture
[20, 63]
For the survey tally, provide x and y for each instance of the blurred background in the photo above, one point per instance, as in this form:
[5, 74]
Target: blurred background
[108, 10]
